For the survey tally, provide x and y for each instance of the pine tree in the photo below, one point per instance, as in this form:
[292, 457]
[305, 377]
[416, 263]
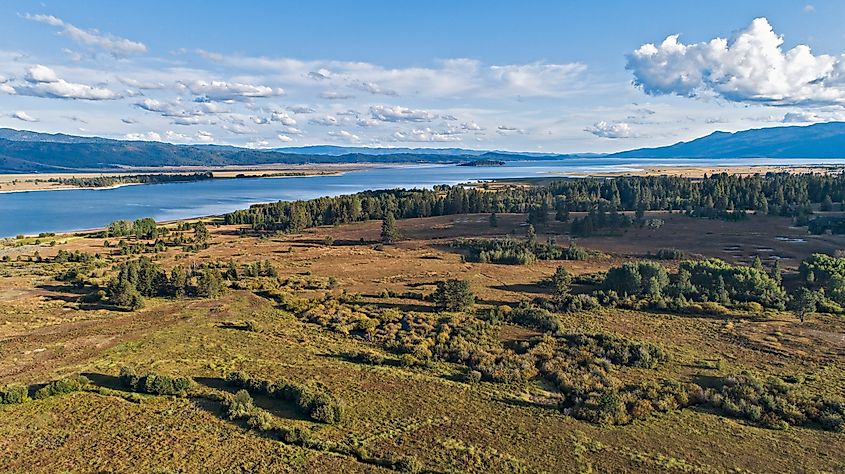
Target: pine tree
[532, 236]
[561, 280]
[494, 220]
[389, 232]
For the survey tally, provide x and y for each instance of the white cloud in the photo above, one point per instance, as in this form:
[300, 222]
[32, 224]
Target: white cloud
[372, 88]
[143, 85]
[149, 136]
[808, 8]
[343, 135]
[229, 91]
[284, 138]
[115, 45]
[807, 116]
[282, 117]
[605, 129]
[258, 144]
[427, 135]
[504, 131]
[41, 81]
[204, 137]
[537, 79]
[387, 113]
[301, 109]
[752, 67]
[291, 131]
[21, 115]
[472, 126]
[331, 95]
[327, 121]
[238, 128]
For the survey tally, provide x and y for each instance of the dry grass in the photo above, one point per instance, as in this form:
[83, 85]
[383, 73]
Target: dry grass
[45, 332]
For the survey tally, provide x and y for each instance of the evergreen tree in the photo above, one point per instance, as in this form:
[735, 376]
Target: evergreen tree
[561, 280]
[532, 236]
[453, 295]
[389, 232]
[494, 220]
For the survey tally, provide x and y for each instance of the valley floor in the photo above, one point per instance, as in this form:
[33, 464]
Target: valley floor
[427, 413]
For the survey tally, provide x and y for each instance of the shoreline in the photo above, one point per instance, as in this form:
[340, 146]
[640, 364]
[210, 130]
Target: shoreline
[36, 182]
[692, 172]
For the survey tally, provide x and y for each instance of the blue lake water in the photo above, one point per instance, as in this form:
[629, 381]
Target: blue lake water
[60, 211]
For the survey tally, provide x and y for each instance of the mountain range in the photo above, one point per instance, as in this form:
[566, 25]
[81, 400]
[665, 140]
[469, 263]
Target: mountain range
[24, 151]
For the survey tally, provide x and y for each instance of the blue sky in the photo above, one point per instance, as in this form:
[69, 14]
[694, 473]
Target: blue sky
[533, 76]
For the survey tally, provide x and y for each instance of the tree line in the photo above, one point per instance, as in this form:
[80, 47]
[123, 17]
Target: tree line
[718, 195]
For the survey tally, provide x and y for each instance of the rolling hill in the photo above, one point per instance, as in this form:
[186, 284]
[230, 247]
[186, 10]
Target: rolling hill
[821, 140]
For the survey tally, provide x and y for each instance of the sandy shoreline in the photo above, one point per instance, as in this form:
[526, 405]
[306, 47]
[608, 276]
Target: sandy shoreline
[27, 182]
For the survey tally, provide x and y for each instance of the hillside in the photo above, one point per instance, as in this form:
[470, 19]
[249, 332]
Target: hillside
[821, 140]
[24, 151]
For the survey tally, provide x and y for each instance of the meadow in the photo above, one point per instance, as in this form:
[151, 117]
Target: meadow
[347, 359]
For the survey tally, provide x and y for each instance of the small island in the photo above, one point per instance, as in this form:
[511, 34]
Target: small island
[483, 163]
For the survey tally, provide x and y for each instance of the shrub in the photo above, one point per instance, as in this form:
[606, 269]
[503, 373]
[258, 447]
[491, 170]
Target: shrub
[62, 386]
[774, 404]
[154, 384]
[453, 295]
[14, 393]
[239, 406]
[315, 402]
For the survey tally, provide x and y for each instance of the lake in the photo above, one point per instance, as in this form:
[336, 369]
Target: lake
[75, 209]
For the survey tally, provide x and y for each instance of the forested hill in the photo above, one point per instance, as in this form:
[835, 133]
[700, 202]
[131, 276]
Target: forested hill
[24, 151]
[821, 140]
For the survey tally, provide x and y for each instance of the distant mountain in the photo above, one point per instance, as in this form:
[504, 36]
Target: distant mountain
[24, 151]
[345, 150]
[821, 140]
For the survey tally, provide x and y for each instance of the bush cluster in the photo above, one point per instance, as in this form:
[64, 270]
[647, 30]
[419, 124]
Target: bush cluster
[14, 393]
[154, 384]
[517, 252]
[773, 403]
[62, 386]
[313, 401]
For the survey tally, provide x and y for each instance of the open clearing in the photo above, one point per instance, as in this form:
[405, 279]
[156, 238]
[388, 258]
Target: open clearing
[48, 331]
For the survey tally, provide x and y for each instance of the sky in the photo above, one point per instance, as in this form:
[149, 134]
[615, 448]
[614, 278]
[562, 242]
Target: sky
[538, 76]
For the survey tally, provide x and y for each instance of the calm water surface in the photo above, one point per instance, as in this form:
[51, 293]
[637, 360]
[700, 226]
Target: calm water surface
[60, 211]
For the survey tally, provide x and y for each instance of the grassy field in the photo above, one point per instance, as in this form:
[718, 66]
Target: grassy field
[427, 413]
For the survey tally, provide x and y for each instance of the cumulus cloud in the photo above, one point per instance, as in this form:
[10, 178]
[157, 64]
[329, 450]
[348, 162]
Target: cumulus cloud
[204, 137]
[427, 135]
[372, 88]
[471, 126]
[751, 67]
[284, 138]
[346, 136]
[229, 91]
[505, 130]
[301, 109]
[605, 129]
[41, 81]
[21, 115]
[143, 85]
[282, 117]
[326, 121]
[387, 113]
[807, 116]
[148, 136]
[113, 44]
